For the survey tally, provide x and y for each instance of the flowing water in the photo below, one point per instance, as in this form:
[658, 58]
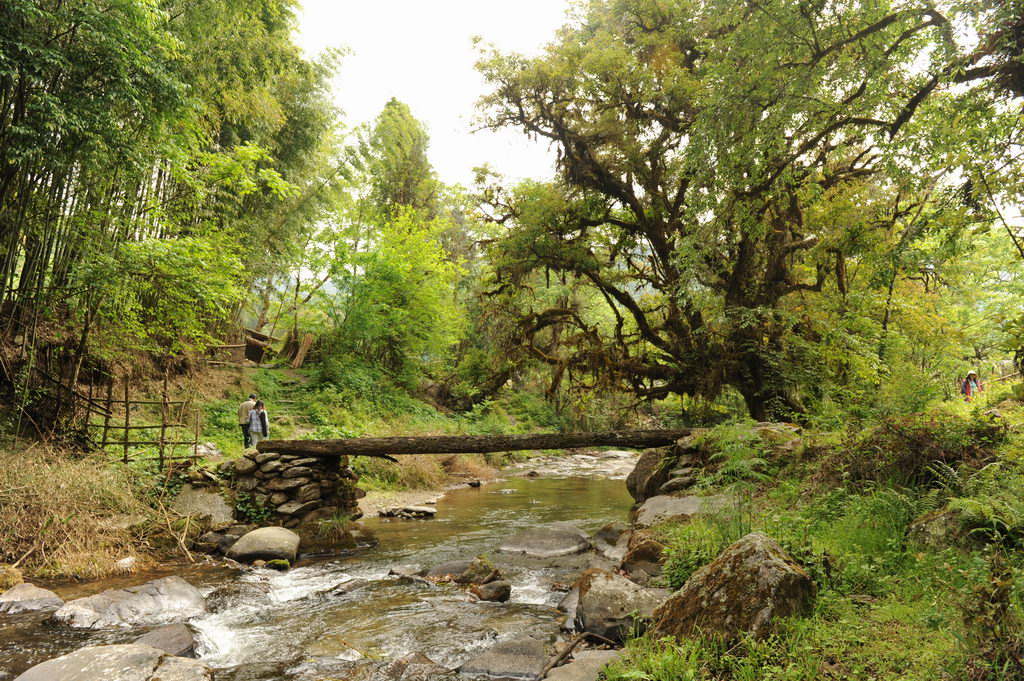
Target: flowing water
[302, 625]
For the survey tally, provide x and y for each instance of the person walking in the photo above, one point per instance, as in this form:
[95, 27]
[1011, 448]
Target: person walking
[243, 419]
[259, 424]
[971, 386]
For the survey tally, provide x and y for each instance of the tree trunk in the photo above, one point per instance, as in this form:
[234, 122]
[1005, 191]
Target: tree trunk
[471, 444]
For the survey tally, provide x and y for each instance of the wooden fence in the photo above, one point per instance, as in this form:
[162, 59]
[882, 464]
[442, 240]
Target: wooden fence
[114, 419]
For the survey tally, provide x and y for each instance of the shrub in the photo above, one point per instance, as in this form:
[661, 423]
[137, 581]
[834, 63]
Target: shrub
[902, 449]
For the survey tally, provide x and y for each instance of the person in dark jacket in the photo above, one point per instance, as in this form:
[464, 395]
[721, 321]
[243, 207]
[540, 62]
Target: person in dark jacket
[259, 423]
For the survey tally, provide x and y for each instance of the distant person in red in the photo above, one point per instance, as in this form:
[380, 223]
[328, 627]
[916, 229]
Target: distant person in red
[971, 386]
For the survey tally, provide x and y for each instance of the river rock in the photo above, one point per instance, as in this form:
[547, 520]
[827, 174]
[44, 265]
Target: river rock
[498, 592]
[201, 503]
[161, 600]
[585, 666]
[263, 457]
[612, 540]
[614, 607]
[480, 571]
[523, 658]
[266, 543]
[298, 472]
[745, 589]
[408, 512]
[129, 662]
[447, 571]
[173, 639]
[28, 598]
[412, 667]
[663, 508]
[548, 541]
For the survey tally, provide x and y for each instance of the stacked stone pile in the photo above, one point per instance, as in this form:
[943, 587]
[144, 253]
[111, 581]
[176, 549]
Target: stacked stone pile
[299, 489]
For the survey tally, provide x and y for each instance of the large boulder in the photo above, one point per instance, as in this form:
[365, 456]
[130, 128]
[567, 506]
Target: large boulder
[614, 607]
[28, 597]
[664, 508]
[650, 473]
[585, 666]
[173, 639]
[548, 541]
[205, 504]
[523, 658]
[750, 585]
[118, 663]
[266, 543]
[162, 600]
[644, 556]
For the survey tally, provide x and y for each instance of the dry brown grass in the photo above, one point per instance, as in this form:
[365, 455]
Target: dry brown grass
[68, 517]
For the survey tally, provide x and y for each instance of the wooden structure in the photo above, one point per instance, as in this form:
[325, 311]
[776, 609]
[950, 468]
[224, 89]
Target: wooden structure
[384, 447]
[178, 424]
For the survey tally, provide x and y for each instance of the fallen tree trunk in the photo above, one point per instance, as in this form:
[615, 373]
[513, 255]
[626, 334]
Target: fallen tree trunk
[471, 444]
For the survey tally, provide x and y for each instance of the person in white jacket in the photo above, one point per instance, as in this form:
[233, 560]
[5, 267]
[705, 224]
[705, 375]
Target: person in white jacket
[259, 424]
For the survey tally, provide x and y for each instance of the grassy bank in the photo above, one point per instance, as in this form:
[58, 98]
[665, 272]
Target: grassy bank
[911, 528]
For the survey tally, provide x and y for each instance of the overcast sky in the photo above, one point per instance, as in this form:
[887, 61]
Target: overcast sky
[422, 53]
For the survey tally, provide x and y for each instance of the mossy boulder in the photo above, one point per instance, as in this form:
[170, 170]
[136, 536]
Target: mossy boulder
[279, 564]
[480, 571]
[940, 530]
[746, 589]
[9, 576]
[644, 556]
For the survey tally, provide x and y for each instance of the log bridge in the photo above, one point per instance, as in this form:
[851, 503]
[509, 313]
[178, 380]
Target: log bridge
[388, 447]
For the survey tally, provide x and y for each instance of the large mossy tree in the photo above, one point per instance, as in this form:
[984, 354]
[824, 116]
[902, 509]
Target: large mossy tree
[719, 161]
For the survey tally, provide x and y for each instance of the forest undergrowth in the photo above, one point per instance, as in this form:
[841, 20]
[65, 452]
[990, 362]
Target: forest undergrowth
[911, 528]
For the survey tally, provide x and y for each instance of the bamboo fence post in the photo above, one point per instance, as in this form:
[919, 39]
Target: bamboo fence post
[127, 418]
[195, 447]
[110, 407]
[163, 420]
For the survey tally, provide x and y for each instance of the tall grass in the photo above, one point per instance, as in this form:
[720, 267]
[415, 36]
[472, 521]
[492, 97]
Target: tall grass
[68, 518]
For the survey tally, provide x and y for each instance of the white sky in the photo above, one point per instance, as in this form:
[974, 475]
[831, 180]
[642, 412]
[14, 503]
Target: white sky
[421, 52]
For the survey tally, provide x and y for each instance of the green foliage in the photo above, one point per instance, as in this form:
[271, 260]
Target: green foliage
[901, 449]
[692, 545]
[251, 510]
[737, 454]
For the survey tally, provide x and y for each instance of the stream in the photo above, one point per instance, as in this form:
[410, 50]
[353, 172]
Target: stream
[289, 625]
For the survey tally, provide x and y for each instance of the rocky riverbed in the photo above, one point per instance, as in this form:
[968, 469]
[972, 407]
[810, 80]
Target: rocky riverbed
[500, 580]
